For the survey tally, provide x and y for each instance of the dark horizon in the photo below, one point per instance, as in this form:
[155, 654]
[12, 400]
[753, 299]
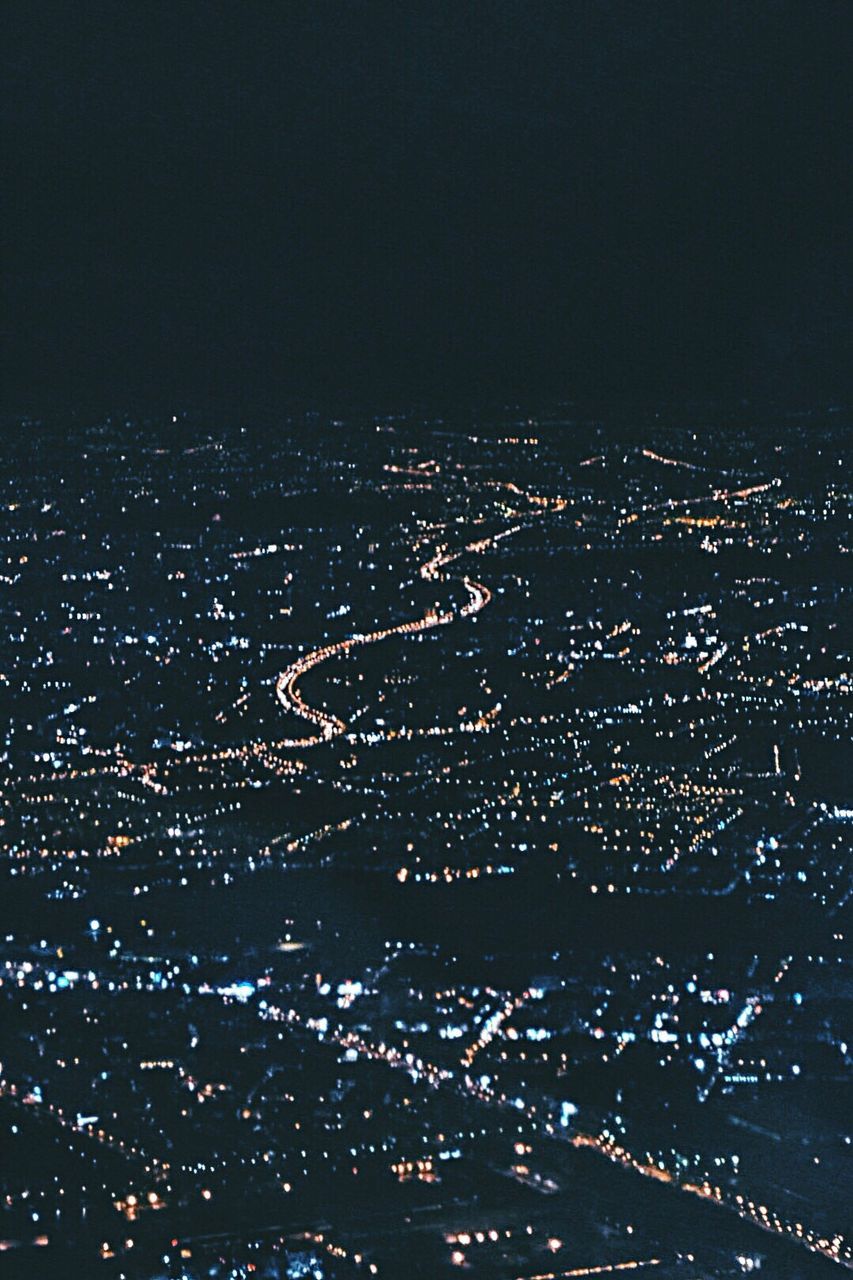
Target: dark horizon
[354, 203]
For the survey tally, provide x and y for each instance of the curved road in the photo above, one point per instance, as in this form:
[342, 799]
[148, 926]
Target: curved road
[329, 726]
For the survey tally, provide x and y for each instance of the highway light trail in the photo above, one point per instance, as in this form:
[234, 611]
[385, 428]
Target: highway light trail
[331, 726]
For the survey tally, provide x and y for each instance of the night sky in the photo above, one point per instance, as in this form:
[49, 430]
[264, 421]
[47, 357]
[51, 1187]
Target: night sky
[381, 202]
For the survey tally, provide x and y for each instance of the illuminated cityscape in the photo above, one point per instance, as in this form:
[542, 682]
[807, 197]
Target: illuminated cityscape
[426, 769]
[425, 845]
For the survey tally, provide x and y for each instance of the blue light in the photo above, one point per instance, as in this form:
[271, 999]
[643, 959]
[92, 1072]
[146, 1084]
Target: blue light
[567, 1110]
